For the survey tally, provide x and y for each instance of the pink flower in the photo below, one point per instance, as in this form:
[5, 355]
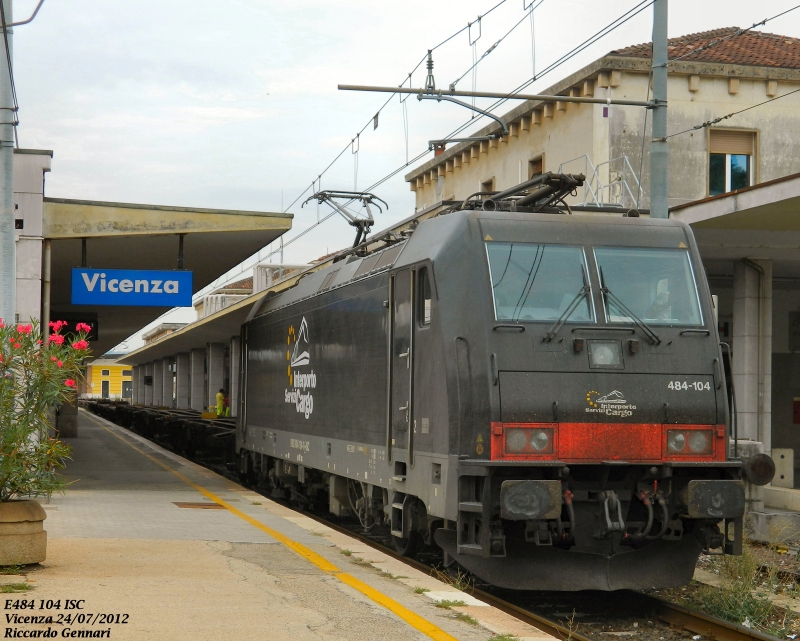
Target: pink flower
[24, 329]
[53, 358]
[58, 339]
[69, 382]
[83, 327]
[60, 363]
[57, 325]
[17, 345]
[80, 345]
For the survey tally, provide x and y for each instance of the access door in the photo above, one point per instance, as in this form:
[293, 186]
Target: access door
[105, 389]
[401, 365]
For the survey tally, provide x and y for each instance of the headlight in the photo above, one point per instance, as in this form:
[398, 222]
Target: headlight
[698, 441]
[605, 354]
[516, 440]
[540, 439]
[529, 440]
[689, 442]
[676, 441]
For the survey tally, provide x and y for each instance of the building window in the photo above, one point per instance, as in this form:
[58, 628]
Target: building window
[128, 372]
[535, 167]
[488, 185]
[105, 372]
[730, 164]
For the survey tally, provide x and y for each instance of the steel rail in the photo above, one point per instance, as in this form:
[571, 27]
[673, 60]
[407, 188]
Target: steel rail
[704, 624]
[649, 104]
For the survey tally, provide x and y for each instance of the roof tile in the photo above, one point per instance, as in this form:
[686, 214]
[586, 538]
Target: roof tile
[750, 48]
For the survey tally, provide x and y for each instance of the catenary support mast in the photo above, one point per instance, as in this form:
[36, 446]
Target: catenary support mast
[659, 151]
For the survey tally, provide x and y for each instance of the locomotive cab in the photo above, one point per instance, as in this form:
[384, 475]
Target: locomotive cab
[608, 418]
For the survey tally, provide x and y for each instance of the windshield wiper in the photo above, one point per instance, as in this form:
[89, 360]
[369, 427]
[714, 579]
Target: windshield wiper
[582, 293]
[551, 333]
[642, 325]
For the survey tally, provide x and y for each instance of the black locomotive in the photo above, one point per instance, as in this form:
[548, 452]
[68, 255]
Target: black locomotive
[540, 393]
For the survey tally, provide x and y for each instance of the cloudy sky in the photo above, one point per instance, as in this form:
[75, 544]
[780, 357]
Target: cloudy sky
[234, 104]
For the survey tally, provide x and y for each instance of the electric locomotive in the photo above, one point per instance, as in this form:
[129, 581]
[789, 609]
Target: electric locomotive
[538, 392]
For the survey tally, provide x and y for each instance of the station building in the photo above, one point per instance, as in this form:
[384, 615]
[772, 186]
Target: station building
[105, 378]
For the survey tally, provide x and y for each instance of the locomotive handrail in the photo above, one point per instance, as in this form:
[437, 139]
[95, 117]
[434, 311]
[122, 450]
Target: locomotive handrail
[696, 331]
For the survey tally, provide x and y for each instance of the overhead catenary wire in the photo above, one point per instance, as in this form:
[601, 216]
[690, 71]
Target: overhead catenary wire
[383, 106]
[736, 34]
[714, 121]
[613, 25]
[477, 61]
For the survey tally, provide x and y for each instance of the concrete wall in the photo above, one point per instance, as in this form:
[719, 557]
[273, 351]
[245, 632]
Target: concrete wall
[182, 381]
[167, 382]
[158, 382]
[197, 383]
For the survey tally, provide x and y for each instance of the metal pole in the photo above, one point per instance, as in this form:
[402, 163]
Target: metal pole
[491, 94]
[659, 151]
[46, 268]
[8, 261]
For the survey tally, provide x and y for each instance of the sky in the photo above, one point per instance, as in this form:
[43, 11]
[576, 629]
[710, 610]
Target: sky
[235, 105]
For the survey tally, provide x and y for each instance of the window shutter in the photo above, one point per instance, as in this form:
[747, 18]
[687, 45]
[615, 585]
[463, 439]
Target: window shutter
[725, 141]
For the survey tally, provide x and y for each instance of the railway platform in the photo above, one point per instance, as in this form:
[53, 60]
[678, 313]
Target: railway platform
[179, 552]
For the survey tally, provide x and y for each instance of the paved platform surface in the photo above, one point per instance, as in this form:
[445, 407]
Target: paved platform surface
[249, 568]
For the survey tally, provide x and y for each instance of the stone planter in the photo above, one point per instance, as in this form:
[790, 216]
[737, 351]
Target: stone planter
[22, 537]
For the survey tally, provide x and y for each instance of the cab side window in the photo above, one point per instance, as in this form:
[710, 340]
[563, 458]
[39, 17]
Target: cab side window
[424, 289]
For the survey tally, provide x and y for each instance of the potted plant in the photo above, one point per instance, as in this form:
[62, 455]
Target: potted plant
[35, 376]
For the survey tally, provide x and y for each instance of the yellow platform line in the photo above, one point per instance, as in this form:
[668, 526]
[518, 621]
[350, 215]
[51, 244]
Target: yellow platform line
[413, 619]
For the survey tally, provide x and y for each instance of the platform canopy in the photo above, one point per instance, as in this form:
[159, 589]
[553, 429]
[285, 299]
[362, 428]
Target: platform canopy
[133, 236]
[762, 221]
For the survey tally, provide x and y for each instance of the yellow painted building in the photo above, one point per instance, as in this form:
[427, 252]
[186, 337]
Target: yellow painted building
[106, 379]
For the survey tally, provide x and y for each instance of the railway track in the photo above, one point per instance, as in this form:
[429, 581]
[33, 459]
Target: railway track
[569, 616]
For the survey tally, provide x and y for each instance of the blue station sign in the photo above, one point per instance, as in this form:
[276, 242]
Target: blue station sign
[131, 287]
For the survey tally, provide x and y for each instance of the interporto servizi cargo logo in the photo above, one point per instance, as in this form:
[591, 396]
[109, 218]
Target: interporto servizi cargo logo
[301, 380]
[611, 404]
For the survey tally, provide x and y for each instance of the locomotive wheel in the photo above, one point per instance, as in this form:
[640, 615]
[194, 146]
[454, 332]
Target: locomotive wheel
[407, 547]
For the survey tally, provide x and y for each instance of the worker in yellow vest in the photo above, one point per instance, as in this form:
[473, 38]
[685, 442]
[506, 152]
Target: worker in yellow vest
[220, 402]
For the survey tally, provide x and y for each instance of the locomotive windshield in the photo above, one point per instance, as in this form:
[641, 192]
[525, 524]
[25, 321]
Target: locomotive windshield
[657, 285]
[532, 282]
